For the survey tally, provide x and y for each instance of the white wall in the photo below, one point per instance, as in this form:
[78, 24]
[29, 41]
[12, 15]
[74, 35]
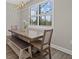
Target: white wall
[63, 24]
[12, 16]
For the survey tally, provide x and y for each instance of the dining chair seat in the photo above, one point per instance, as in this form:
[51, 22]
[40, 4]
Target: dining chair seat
[37, 44]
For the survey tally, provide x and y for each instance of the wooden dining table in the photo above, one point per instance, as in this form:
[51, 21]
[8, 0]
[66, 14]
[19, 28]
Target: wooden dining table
[29, 34]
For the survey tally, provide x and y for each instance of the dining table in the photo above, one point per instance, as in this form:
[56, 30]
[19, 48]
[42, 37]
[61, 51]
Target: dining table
[29, 35]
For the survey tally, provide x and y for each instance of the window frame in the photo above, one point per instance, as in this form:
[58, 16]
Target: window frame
[48, 14]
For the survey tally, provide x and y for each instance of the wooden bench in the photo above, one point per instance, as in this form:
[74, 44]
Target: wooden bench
[20, 47]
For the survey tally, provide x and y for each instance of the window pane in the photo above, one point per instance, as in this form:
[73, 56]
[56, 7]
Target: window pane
[34, 11]
[42, 20]
[45, 20]
[48, 20]
[34, 20]
[45, 7]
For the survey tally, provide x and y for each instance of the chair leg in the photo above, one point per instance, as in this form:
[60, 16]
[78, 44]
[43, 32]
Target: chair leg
[49, 53]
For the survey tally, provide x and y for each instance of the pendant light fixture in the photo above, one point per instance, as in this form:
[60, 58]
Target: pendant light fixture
[21, 5]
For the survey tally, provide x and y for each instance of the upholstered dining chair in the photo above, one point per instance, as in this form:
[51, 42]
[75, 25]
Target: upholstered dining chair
[44, 45]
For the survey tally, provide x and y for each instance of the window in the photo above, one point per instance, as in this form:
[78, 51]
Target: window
[34, 20]
[42, 14]
[34, 11]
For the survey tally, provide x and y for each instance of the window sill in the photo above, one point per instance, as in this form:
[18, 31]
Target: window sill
[41, 27]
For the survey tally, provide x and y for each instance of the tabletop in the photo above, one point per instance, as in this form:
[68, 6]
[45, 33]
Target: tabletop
[30, 34]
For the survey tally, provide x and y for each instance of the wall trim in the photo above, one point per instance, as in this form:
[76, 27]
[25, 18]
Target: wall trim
[61, 49]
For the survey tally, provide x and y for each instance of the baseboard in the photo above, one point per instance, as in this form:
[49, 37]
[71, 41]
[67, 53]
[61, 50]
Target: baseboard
[61, 49]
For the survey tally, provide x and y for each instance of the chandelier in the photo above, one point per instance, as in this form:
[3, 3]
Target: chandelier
[21, 5]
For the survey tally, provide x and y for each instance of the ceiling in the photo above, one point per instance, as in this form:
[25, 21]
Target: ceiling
[16, 1]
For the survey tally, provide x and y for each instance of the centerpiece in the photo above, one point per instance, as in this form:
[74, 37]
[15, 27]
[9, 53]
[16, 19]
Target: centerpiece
[25, 25]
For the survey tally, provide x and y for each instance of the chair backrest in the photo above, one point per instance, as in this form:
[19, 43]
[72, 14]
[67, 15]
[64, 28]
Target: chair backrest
[47, 36]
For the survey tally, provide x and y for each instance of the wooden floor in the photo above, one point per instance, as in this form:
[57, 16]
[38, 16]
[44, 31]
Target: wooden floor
[55, 55]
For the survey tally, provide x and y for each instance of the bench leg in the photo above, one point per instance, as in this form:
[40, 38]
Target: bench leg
[21, 53]
[30, 51]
